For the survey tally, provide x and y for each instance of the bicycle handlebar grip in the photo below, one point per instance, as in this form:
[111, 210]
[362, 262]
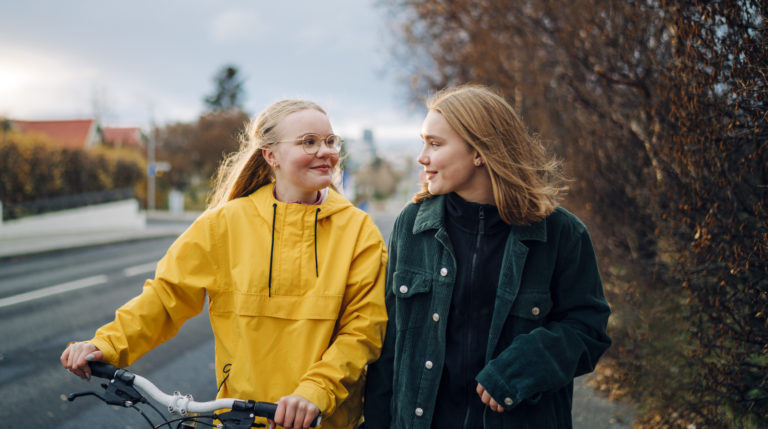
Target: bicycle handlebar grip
[103, 370]
[268, 409]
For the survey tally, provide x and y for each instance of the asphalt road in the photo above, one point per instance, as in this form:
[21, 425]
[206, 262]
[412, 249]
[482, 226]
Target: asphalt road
[82, 290]
[51, 299]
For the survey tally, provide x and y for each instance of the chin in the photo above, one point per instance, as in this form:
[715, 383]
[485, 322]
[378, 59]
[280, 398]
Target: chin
[434, 189]
[321, 184]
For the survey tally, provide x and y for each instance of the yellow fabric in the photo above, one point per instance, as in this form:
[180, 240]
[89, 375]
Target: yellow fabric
[312, 337]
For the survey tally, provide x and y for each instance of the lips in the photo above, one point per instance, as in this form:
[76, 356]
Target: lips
[322, 168]
[428, 175]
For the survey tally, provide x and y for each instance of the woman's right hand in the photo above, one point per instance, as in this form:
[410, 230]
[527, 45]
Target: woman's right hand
[76, 357]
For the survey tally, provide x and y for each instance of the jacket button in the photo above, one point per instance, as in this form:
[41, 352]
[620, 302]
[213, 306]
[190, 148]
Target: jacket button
[403, 289]
[443, 271]
[419, 412]
[428, 364]
[535, 311]
[508, 401]
[435, 317]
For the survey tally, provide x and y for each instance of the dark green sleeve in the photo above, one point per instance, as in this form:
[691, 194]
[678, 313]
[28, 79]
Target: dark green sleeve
[569, 344]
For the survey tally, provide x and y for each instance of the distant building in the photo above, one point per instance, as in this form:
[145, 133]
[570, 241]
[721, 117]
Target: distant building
[72, 134]
[83, 133]
[124, 137]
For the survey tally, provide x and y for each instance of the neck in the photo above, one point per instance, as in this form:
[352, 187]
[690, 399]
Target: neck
[286, 196]
[479, 190]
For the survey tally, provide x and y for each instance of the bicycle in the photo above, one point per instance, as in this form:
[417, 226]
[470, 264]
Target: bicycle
[122, 391]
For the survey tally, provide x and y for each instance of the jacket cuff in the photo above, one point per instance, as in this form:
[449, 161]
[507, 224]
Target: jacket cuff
[109, 355]
[315, 395]
[493, 382]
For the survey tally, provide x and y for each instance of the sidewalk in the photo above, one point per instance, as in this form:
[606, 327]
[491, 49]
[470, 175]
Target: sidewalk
[159, 224]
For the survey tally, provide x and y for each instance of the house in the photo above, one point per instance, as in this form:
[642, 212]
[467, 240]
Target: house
[124, 137]
[71, 134]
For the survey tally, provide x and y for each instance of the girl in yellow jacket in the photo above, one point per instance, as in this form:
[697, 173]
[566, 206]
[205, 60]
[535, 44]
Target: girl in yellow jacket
[292, 272]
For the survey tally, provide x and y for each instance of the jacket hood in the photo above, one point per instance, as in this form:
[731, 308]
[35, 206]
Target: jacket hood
[264, 199]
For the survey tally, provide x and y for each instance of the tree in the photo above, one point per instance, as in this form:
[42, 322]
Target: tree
[658, 107]
[195, 150]
[229, 92]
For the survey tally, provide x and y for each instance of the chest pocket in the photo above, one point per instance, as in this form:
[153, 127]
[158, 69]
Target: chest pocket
[530, 310]
[412, 291]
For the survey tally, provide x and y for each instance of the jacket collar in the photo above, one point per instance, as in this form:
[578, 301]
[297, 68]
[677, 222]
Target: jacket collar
[263, 199]
[431, 215]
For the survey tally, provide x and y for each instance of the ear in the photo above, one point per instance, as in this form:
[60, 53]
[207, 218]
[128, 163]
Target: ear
[270, 157]
[477, 159]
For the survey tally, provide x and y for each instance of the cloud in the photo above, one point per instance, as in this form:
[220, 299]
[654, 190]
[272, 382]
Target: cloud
[236, 25]
[40, 81]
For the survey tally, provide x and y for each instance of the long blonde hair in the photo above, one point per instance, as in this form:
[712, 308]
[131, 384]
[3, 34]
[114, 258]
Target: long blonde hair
[527, 182]
[246, 170]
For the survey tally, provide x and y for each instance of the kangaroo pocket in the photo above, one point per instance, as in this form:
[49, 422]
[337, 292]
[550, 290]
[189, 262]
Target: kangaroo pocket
[307, 307]
[270, 342]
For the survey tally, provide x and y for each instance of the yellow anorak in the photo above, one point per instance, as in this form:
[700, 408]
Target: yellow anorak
[295, 295]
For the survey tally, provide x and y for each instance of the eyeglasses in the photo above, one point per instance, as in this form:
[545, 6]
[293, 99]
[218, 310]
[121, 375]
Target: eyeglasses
[311, 143]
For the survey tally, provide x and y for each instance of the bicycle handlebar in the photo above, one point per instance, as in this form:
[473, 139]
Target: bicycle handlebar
[184, 404]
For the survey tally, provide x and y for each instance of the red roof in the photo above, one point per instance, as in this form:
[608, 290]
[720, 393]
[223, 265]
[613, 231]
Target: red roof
[122, 137]
[74, 134]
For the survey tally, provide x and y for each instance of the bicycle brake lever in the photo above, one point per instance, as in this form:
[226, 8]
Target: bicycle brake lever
[118, 391]
[72, 396]
[238, 420]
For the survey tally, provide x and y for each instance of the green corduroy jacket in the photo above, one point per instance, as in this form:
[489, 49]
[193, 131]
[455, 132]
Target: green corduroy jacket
[548, 323]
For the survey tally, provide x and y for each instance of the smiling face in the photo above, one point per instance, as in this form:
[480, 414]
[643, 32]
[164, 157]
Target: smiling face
[298, 175]
[450, 163]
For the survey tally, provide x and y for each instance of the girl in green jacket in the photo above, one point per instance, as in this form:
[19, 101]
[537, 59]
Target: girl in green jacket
[292, 272]
[494, 297]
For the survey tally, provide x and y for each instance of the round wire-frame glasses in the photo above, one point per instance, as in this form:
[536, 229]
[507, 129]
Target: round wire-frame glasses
[311, 143]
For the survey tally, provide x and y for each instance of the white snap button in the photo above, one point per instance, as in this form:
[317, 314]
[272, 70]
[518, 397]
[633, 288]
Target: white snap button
[443, 271]
[419, 412]
[535, 311]
[403, 289]
[428, 364]
[435, 317]
[508, 401]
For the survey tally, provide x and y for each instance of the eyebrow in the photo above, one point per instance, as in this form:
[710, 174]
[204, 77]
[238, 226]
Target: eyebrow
[315, 134]
[430, 136]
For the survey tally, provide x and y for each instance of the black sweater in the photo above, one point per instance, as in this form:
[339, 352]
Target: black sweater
[478, 236]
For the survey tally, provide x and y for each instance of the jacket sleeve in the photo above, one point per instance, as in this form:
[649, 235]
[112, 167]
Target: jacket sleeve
[359, 328]
[378, 388]
[570, 342]
[176, 294]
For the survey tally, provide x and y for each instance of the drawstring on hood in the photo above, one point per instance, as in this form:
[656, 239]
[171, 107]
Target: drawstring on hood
[272, 247]
[292, 210]
[317, 271]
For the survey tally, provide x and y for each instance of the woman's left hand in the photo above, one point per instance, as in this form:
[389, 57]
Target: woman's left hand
[488, 399]
[294, 411]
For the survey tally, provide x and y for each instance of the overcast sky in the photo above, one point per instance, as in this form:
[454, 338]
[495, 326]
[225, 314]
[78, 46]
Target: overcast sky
[155, 60]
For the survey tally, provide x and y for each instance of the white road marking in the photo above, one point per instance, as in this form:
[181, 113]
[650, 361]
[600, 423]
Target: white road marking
[140, 269]
[53, 290]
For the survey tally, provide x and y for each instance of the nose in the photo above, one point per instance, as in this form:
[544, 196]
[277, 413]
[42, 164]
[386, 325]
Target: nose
[423, 159]
[324, 150]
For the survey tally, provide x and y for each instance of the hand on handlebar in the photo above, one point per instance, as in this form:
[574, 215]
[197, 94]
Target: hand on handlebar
[295, 412]
[76, 356]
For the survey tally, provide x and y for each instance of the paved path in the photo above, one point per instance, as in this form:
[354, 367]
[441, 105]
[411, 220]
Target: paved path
[590, 411]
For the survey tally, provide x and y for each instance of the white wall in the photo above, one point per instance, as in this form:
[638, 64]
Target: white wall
[115, 216]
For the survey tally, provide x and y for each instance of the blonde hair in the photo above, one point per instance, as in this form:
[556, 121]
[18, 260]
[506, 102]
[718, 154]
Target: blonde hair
[527, 182]
[245, 171]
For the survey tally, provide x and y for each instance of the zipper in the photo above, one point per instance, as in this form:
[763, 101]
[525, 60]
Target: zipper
[468, 344]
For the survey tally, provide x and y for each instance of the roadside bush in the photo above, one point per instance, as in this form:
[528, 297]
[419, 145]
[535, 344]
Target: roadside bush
[659, 108]
[32, 168]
